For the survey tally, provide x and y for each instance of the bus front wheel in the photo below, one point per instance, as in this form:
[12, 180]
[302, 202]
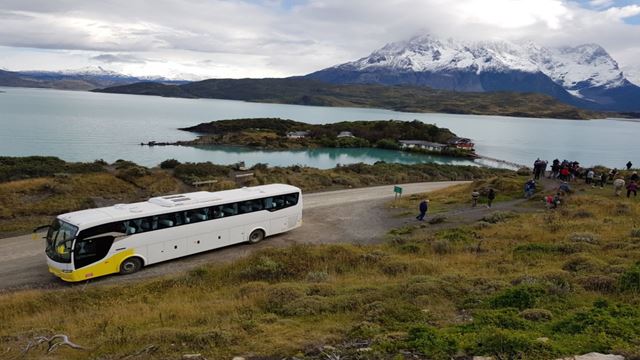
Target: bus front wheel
[256, 236]
[130, 265]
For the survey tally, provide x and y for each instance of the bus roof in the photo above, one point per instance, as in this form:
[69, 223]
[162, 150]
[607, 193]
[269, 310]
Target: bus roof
[171, 203]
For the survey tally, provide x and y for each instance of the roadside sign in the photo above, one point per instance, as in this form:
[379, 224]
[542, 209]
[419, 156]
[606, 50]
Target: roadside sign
[397, 192]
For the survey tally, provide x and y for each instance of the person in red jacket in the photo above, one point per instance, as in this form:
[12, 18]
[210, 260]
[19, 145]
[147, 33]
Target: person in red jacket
[632, 188]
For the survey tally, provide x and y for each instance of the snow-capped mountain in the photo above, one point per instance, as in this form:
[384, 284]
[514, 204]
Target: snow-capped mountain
[584, 75]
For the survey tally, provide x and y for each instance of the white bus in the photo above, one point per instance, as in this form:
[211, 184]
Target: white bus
[123, 238]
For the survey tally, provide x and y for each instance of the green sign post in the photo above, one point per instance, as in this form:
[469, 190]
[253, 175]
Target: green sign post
[397, 190]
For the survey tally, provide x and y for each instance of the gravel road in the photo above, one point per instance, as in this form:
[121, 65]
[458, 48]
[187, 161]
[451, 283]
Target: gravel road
[354, 216]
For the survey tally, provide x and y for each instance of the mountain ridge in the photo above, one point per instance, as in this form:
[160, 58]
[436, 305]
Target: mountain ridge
[585, 75]
[88, 78]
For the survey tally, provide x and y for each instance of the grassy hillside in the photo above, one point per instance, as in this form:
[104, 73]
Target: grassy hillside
[536, 285]
[401, 98]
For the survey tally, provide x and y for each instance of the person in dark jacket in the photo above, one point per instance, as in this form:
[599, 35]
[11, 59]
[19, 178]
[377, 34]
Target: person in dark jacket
[629, 165]
[423, 207]
[632, 188]
[491, 195]
[634, 177]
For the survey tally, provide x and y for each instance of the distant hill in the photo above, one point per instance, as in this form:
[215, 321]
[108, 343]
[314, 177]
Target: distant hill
[303, 91]
[80, 79]
[585, 76]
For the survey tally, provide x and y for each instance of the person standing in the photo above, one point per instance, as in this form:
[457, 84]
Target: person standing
[603, 179]
[618, 185]
[632, 188]
[475, 195]
[423, 207]
[590, 176]
[634, 176]
[629, 165]
[491, 195]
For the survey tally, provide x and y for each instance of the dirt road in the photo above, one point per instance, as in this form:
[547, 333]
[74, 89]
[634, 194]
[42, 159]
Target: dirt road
[355, 216]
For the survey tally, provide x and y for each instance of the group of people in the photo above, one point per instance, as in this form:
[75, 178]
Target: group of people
[568, 171]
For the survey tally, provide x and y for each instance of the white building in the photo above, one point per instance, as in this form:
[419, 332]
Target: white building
[345, 134]
[421, 144]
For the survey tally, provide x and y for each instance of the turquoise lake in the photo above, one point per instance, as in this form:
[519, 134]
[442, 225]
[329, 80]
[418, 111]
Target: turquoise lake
[84, 126]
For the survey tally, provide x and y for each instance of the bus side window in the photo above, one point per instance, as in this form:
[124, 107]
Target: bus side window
[268, 203]
[229, 209]
[291, 199]
[215, 212]
[244, 207]
[256, 205]
[130, 227]
[279, 202]
[194, 216]
[145, 224]
[165, 221]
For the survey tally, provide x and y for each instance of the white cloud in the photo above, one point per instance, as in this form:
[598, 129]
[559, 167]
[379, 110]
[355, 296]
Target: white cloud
[261, 38]
[623, 12]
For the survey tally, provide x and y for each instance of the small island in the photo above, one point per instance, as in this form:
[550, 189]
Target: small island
[284, 134]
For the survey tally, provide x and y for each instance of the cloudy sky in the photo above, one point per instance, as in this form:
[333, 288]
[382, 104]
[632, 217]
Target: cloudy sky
[197, 39]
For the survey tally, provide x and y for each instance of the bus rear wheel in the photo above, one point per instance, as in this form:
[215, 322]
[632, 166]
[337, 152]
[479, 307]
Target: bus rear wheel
[256, 236]
[130, 265]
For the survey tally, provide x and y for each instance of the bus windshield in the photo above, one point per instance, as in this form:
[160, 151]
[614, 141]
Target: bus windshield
[59, 240]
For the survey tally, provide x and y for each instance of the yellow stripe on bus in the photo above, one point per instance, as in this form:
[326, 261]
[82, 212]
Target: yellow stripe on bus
[103, 267]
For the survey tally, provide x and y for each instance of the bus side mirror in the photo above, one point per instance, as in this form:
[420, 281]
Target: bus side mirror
[41, 228]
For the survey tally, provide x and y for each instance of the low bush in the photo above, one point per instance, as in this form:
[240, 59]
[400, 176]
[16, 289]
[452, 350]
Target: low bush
[432, 342]
[600, 283]
[441, 247]
[498, 216]
[585, 237]
[537, 315]
[509, 344]
[520, 297]
[582, 263]
[630, 280]
[169, 164]
[635, 233]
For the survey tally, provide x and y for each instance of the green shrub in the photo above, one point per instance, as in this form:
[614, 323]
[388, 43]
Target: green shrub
[635, 233]
[432, 342]
[131, 173]
[502, 318]
[519, 297]
[536, 314]
[616, 322]
[264, 268]
[169, 164]
[630, 280]
[508, 344]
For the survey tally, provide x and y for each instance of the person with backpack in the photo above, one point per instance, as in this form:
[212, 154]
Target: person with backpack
[529, 188]
[632, 188]
[491, 195]
[475, 195]
[423, 207]
[618, 185]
